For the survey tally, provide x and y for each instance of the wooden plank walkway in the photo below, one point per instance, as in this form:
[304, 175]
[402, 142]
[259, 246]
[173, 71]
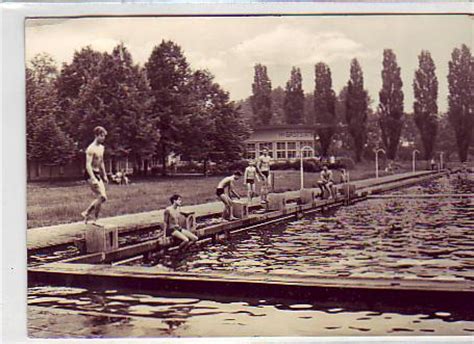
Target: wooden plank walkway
[43, 237]
[438, 195]
[294, 285]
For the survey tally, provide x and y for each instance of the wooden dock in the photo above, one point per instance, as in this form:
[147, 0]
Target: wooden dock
[298, 286]
[70, 234]
[428, 196]
[108, 269]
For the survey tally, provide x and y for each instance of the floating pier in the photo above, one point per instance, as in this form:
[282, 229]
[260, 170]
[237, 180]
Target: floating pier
[437, 195]
[106, 267]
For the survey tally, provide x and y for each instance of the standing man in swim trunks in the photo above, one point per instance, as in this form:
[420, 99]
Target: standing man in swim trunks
[172, 227]
[95, 174]
[224, 190]
[263, 168]
[326, 182]
[250, 175]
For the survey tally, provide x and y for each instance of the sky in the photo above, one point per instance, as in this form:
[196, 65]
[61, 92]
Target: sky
[229, 47]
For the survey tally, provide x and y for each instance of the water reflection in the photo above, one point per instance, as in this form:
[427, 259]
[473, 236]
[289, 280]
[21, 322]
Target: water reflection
[106, 313]
[405, 238]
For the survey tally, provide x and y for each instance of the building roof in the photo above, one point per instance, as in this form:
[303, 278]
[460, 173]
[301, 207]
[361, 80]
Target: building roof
[295, 126]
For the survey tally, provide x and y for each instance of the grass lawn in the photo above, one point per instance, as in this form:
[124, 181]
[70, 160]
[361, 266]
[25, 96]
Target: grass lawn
[62, 202]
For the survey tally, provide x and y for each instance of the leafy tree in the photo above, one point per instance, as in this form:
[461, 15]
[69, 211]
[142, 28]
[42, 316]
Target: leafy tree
[114, 94]
[168, 74]
[216, 129]
[391, 104]
[47, 143]
[356, 106]
[461, 98]
[294, 98]
[446, 141]
[278, 101]
[425, 88]
[309, 116]
[261, 99]
[324, 106]
[72, 78]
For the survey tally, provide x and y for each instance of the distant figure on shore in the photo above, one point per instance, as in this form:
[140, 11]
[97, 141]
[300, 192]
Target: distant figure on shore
[121, 178]
[463, 171]
[326, 182]
[171, 222]
[225, 189]
[389, 168]
[250, 176]
[433, 164]
[96, 174]
[263, 168]
[344, 176]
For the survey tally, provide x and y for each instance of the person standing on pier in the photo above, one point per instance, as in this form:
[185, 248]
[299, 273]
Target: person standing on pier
[263, 168]
[250, 175]
[326, 183]
[171, 222]
[225, 189]
[96, 175]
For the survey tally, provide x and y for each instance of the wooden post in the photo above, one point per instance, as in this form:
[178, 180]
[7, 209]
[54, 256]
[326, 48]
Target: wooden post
[276, 201]
[101, 239]
[187, 220]
[306, 196]
[240, 209]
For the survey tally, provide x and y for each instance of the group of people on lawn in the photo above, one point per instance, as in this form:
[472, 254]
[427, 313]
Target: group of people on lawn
[258, 171]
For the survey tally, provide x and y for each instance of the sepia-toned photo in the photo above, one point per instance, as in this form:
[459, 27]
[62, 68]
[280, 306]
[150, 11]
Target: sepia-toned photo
[250, 176]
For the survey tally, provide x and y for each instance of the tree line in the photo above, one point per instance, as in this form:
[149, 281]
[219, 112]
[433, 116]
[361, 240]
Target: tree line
[322, 108]
[148, 111]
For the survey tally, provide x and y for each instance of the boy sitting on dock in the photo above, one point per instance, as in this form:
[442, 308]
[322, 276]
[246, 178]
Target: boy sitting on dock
[326, 183]
[250, 174]
[224, 190]
[172, 227]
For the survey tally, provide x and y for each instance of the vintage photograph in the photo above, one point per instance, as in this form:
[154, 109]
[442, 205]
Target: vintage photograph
[250, 176]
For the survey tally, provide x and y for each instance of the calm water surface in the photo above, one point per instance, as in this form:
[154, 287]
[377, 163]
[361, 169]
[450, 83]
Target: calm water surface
[404, 238]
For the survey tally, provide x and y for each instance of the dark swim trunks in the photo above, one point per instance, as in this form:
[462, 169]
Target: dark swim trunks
[219, 191]
[96, 174]
[249, 181]
[265, 173]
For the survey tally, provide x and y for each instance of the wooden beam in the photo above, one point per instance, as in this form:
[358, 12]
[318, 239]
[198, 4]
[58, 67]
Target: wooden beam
[251, 283]
[438, 195]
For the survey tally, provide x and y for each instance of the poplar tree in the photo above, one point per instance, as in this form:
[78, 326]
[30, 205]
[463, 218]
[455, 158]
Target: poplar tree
[391, 104]
[324, 106]
[461, 98]
[425, 107]
[261, 99]
[356, 106]
[294, 98]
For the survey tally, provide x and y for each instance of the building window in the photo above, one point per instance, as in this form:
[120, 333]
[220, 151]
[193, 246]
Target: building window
[281, 145]
[250, 155]
[291, 154]
[291, 145]
[268, 145]
[281, 150]
[250, 152]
